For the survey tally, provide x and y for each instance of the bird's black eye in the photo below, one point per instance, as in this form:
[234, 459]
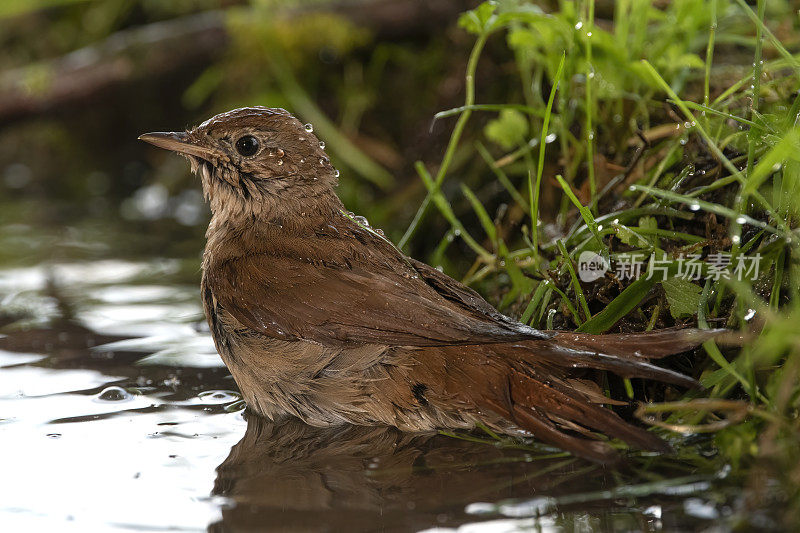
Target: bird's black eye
[247, 145]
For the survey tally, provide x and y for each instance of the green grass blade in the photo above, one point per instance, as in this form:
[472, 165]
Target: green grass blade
[535, 189]
[620, 306]
[534, 303]
[774, 40]
[488, 107]
[707, 109]
[586, 214]
[576, 286]
[706, 206]
[712, 32]
[785, 149]
[589, 105]
[484, 218]
[502, 177]
[447, 212]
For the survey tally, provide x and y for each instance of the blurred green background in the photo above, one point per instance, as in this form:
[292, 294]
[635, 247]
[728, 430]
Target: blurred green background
[368, 75]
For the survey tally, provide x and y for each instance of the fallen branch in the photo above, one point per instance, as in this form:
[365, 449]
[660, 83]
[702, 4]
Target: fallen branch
[163, 47]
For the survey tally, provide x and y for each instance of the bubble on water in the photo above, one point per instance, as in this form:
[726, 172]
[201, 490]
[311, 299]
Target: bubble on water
[218, 397]
[114, 394]
[322, 144]
[309, 127]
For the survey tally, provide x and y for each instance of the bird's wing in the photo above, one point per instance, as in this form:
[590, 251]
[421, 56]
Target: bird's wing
[381, 299]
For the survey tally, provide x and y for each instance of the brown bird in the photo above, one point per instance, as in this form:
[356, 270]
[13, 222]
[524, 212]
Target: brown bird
[320, 317]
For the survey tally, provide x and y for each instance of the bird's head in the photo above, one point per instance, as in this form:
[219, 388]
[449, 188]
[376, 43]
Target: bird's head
[255, 161]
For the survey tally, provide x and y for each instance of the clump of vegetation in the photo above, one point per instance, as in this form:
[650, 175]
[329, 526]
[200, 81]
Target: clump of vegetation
[676, 170]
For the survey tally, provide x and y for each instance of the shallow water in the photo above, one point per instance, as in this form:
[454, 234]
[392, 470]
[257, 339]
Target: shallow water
[117, 414]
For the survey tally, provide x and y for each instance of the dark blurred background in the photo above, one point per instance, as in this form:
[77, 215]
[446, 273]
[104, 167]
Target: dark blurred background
[80, 80]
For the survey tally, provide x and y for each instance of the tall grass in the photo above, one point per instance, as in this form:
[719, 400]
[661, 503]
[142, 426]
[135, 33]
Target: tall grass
[659, 152]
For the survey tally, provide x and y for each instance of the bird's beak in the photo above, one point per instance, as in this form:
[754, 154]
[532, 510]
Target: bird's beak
[179, 142]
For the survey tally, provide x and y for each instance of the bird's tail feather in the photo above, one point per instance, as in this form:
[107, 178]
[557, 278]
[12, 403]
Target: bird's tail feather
[562, 416]
[649, 345]
[539, 398]
[562, 355]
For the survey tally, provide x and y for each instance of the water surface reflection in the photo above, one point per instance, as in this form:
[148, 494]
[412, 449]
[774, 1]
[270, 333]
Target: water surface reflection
[367, 479]
[117, 414]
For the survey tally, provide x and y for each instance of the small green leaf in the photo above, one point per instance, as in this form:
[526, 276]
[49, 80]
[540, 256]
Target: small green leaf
[688, 61]
[478, 20]
[626, 235]
[683, 296]
[508, 130]
[648, 222]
